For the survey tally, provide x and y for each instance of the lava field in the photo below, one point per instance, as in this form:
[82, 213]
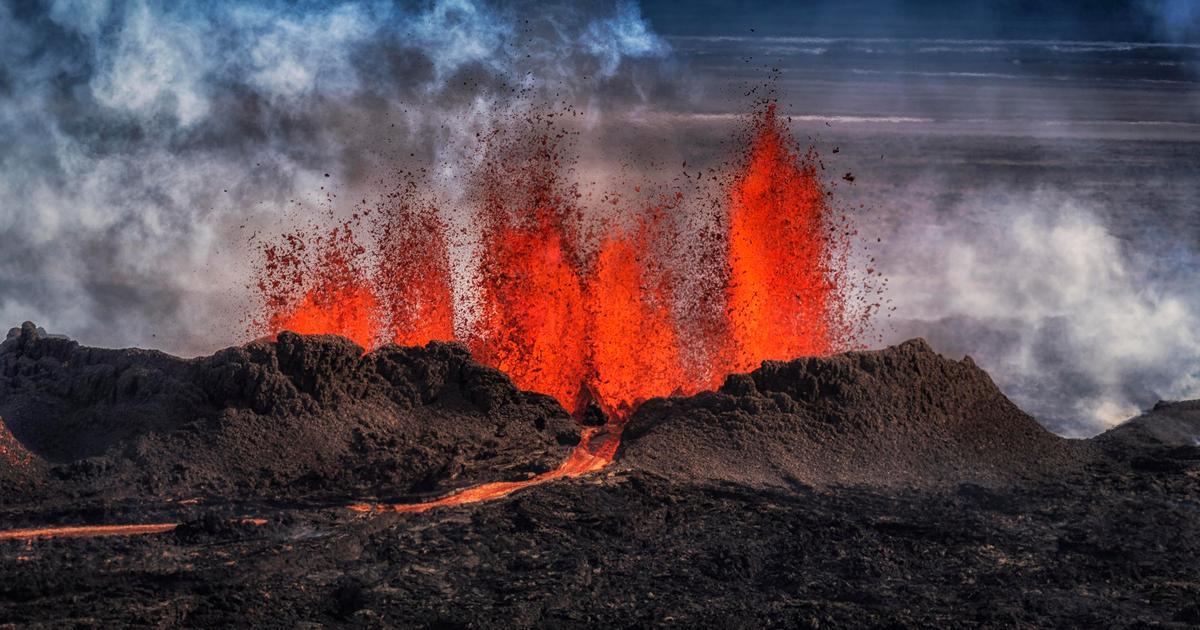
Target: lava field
[267, 485]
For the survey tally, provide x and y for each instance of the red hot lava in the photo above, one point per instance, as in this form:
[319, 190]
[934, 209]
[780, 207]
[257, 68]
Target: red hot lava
[600, 326]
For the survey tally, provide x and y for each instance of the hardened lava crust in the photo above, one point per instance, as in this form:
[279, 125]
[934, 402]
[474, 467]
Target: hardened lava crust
[290, 418]
[890, 488]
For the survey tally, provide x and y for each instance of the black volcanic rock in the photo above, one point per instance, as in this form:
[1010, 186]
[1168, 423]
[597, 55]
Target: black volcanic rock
[1169, 424]
[1165, 439]
[904, 415]
[303, 415]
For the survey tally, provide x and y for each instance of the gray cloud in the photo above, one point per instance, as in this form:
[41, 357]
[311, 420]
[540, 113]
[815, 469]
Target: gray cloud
[147, 142]
[1043, 295]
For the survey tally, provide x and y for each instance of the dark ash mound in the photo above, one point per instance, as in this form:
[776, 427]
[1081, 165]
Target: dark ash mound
[301, 416]
[900, 416]
[1167, 424]
[1164, 439]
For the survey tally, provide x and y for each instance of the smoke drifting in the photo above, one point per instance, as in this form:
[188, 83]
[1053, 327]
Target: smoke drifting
[147, 143]
[1075, 329]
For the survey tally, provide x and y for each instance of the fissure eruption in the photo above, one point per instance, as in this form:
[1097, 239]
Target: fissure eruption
[588, 321]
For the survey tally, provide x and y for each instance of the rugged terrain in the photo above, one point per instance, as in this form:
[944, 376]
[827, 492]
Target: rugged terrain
[889, 488]
[904, 416]
[300, 417]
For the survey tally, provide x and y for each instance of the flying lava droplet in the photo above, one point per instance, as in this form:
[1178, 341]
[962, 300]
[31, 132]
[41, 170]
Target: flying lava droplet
[601, 326]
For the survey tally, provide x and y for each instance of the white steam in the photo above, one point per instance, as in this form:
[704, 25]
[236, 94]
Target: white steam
[1047, 300]
[147, 143]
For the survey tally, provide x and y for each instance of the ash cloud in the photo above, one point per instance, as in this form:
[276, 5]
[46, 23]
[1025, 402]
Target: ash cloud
[147, 142]
[1078, 330]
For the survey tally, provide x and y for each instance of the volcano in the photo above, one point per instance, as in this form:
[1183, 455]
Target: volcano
[586, 427]
[850, 490]
[608, 313]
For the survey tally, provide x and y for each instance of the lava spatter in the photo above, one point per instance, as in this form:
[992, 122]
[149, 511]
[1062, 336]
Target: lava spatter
[597, 323]
[532, 324]
[319, 285]
[412, 272]
[780, 294]
[634, 345]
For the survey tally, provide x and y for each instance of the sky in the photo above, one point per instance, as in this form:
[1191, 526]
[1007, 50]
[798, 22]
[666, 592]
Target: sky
[1030, 169]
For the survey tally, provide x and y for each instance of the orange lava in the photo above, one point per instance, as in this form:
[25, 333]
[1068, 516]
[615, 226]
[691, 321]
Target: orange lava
[604, 324]
[86, 531]
[585, 458]
[338, 299]
[412, 274]
[634, 346]
[533, 320]
[780, 290]
[94, 531]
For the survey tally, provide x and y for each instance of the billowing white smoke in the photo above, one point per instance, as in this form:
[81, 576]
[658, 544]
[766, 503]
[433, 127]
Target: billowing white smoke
[1071, 326]
[145, 143]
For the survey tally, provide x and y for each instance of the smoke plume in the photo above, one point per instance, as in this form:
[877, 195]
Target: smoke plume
[149, 143]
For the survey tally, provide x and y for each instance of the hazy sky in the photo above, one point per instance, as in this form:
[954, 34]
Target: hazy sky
[1030, 168]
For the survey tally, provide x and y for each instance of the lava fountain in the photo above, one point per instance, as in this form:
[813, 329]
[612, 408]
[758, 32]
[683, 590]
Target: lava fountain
[586, 326]
[780, 290]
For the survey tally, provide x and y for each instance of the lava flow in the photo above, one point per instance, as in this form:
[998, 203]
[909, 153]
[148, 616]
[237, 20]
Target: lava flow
[93, 531]
[602, 325]
[585, 458]
[780, 286]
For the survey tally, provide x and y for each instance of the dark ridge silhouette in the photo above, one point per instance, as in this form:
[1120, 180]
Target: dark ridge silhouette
[904, 415]
[302, 415]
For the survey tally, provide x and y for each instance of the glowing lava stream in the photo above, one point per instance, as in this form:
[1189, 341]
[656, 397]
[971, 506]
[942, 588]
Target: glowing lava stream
[583, 460]
[92, 531]
[84, 531]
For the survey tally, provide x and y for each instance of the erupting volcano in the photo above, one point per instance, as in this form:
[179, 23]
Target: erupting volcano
[618, 314]
[594, 320]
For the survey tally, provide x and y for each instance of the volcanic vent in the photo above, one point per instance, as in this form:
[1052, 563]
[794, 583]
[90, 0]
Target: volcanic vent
[635, 308]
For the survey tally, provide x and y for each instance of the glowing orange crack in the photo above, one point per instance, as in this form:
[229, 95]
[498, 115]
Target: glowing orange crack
[583, 460]
[85, 531]
[91, 531]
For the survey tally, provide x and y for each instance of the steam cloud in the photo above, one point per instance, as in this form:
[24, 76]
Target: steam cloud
[1080, 332]
[147, 142]
[1178, 20]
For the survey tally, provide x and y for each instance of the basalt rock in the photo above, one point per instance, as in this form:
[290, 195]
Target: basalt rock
[298, 416]
[1164, 439]
[904, 415]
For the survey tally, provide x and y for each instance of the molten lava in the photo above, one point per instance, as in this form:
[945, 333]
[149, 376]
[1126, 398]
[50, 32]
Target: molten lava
[412, 275]
[337, 296]
[634, 346]
[585, 458]
[780, 289]
[604, 326]
[532, 323]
